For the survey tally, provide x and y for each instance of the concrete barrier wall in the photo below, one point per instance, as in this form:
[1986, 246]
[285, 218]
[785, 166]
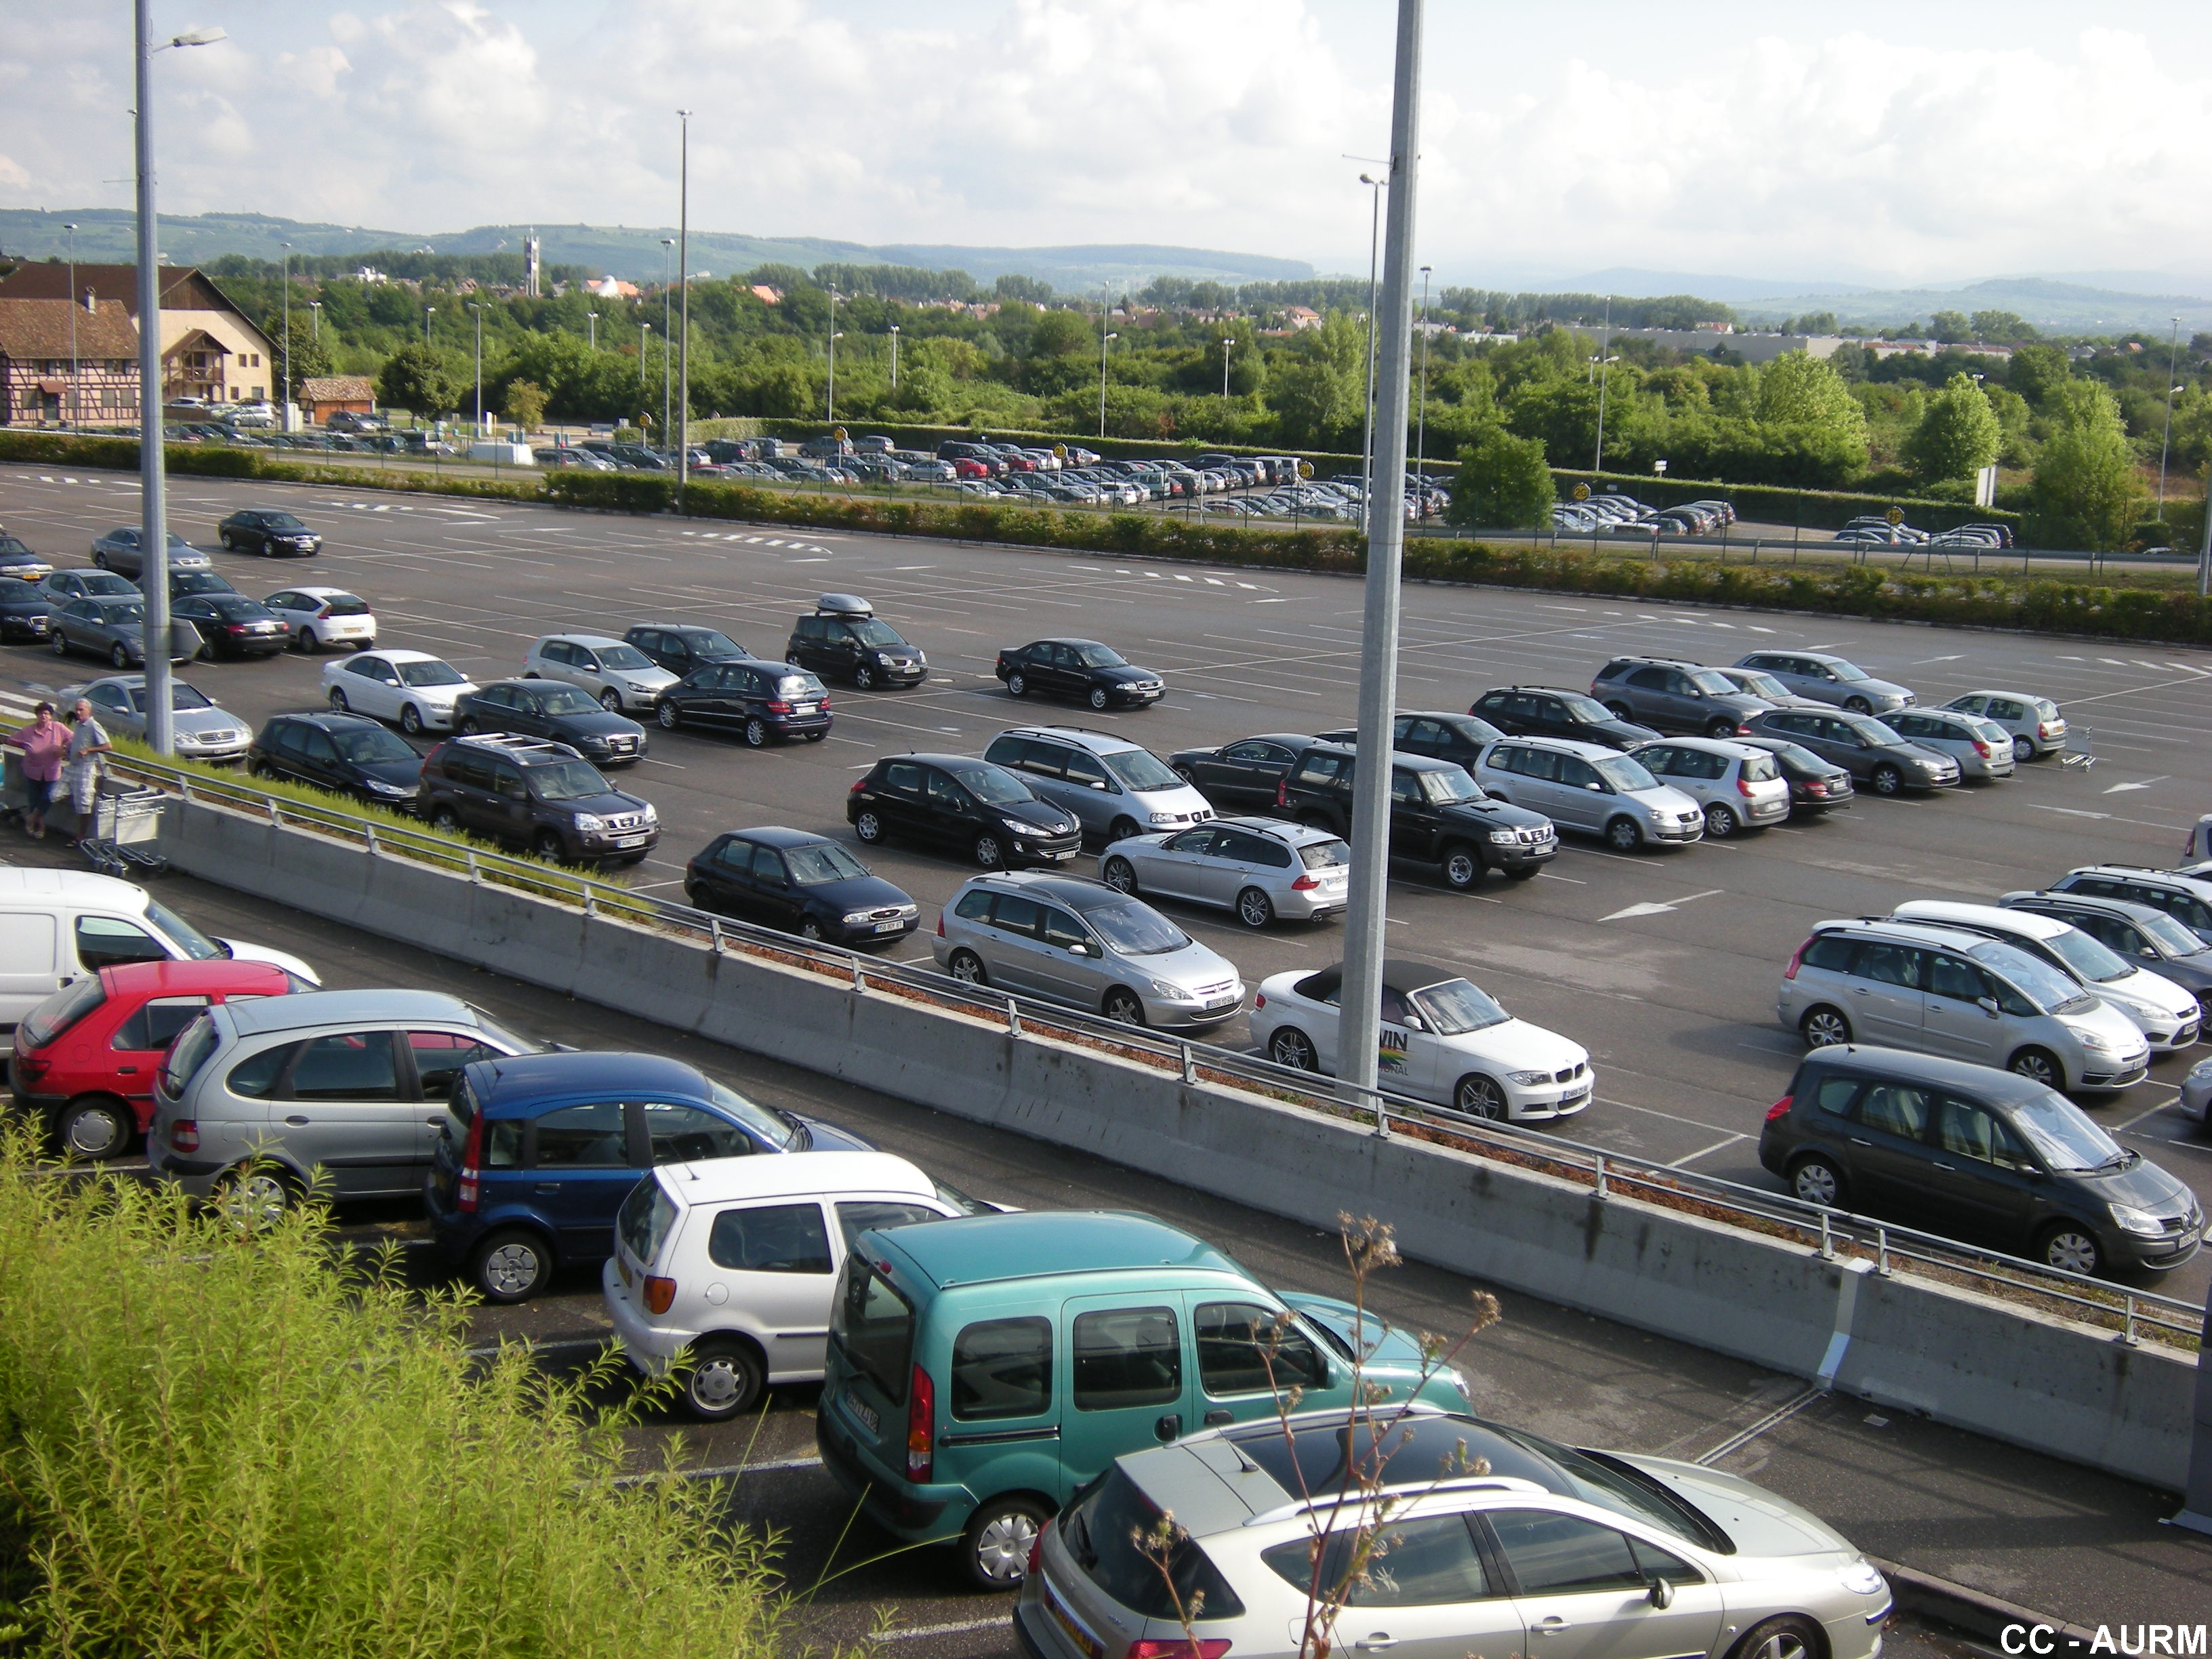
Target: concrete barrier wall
[1961, 1358]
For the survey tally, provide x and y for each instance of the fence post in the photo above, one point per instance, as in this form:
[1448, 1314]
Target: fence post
[1013, 1017]
[476, 875]
[367, 829]
[1882, 1251]
[715, 929]
[859, 979]
[2127, 1335]
[591, 901]
[1603, 1191]
[1382, 1115]
[1827, 1244]
[275, 817]
[1189, 1063]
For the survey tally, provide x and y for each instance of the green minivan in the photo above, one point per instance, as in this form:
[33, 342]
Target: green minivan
[981, 1370]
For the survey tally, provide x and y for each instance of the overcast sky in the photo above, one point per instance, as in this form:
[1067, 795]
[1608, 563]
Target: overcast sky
[1899, 142]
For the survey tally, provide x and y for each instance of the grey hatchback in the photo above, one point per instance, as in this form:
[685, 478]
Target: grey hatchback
[1864, 747]
[1825, 678]
[1681, 697]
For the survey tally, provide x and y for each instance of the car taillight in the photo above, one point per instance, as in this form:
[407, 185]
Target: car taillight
[323, 614]
[1306, 883]
[1743, 786]
[1779, 1108]
[778, 709]
[185, 1135]
[1817, 786]
[1742, 731]
[659, 1295]
[28, 1067]
[2046, 729]
[940, 924]
[1179, 1647]
[1791, 972]
[858, 784]
[920, 1424]
[1283, 791]
[236, 628]
[469, 1184]
[1981, 748]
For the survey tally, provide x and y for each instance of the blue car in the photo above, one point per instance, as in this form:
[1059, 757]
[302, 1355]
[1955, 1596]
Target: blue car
[538, 1152]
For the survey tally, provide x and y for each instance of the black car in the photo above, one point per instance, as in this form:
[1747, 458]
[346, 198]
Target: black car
[1082, 668]
[182, 582]
[232, 625]
[958, 801]
[1861, 744]
[1242, 774]
[846, 638]
[350, 754]
[2140, 932]
[268, 532]
[1970, 1150]
[553, 710]
[798, 882]
[1439, 814]
[1460, 739]
[1545, 711]
[1815, 785]
[545, 796]
[1685, 698]
[23, 611]
[18, 561]
[681, 646]
[768, 702]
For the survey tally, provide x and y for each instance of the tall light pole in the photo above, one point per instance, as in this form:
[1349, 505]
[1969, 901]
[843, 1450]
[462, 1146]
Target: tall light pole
[76, 400]
[1103, 337]
[644, 331]
[1362, 998]
[426, 310]
[1421, 417]
[834, 297]
[315, 309]
[591, 329]
[2166, 443]
[683, 345]
[1227, 341]
[478, 309]
[667, 299]
[1367, 439]
[1604, 362]
[895, 357]
[153, 525]
[285, 397]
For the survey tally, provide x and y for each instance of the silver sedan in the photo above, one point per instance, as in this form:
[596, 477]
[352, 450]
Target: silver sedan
[118, 550]
[1260, 868]
[202, 731]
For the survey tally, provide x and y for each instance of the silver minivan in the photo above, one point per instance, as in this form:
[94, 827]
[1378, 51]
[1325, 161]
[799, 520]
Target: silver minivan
[1589, 787]
[1080, 942]
[1945, 991]
[1739, 786]
[1983, 749]
[1115, 788]
[2034, 723]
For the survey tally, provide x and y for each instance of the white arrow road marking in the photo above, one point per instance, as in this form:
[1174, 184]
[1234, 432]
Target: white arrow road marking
[1635, 910]
[2121, 788]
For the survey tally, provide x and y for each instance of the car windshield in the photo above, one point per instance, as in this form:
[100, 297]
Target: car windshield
[1132, 929]
[280, 521]
[1711, 681]
[869, 631]
[711, 646]
[2171, 937]
[1586, 711]
[992, 786]
[368, 744]
[98, 583]
[1847, 671]
[181, 697]
[1624, 775]
[2051, 991]
[2063, 1136]
[778, 1132]
[1876, 735]
[429, 672]
[1101, 656]
[1325, 854]
[1457, 1007]
[2087, 959]
[119, 615]
[565, 700]
[196, 946]
[811, 866]
[1761, 684]
[1140, 768]
[1448, 784]
[622, 656]
[573, 779]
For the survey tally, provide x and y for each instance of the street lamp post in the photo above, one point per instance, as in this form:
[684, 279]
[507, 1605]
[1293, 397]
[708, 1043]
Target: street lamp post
[667, 299]
[683, 345]
[1367, 441]
[1604, 344]
[426, 310]
[895, 357]
[478, 309]
[1226, 343]
[591, 329]
[1421, 416]
[315, 310]
[834, 297]
[153, 526]
[643, 330]
[285, 397]
[77, 401]
[1103, 337]
[2166, 443]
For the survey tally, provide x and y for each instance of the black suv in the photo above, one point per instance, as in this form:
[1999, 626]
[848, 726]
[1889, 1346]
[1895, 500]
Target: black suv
[1460, 739]
[545, 796]
[1439, 815]
[1685, 698]
[958, 801]
[846, 638]
[350, 754]
[1083, 669]
[554, 711]
[1545, 711]
[681, 646]
[798, 882]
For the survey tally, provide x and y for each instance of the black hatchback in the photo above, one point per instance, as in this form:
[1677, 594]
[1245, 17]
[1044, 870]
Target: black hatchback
[681, 646]
[232, 625]
[347, 754]
[1815, 785]
[963, 804]
[798, 882]
[766, 702]
[551, 709]
[1544, 711]
[268, 532]
[1974, 1152]
[1082, 669]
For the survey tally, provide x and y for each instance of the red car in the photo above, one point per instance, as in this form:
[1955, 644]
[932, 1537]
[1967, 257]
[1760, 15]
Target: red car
[85, 1057]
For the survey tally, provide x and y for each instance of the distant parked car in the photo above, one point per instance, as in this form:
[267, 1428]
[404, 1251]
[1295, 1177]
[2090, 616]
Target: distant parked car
[679, 648]
[1741, 787]
[1866, 748]
[1082, 669]
[414, 688]
[232, 625]
[113, 628]
[1983, 749]
[315, 619]
[1262, 869]
[199, 729]
[347, 754]
[800, 883]
[118, 550]
[764, 702]
[549, 709]
[619, 675]
[2035, 723]
[267, 531]
[526, 792]
[1825, 678]
[17, 560]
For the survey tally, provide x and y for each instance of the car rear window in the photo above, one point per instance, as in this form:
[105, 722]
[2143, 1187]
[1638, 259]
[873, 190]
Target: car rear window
[59, 1011]
[872, 1326]
[1760, 769]
[1325, 855]
[186, 1056]
[643, 1221]
[1102, 1529]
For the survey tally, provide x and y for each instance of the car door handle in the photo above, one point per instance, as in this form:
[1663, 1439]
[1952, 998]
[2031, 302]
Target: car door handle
[547, 1186]
[1216, 1420]
[127, 1071]
[295, 1120]
[1952, 1168]
[1859, 990]
[1552, 1625]
[434, 1122]
[1376, 1643]
[1856, 1141]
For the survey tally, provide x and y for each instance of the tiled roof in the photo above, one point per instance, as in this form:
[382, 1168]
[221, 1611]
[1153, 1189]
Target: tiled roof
[40, 328]
[337, 389]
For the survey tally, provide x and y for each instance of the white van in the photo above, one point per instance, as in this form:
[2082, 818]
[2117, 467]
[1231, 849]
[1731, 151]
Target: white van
[56, 925]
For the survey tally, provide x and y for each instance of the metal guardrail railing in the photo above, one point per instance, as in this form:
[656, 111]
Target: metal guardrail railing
[2131, 1314]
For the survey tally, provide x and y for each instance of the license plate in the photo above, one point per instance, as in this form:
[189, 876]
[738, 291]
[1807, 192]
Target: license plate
[802, 708]
[1578, 1098]
[1083, 1638]
[629, 840]
[888, 926]
[1222, 1002]
[863, 1415]
[1061, 857]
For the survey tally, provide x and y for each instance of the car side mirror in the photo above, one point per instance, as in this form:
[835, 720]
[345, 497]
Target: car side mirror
[1661, 1594]
[1988, 1005]
[1078, 949]
[1100, 785]
[1412, 1022]
[1594, 788]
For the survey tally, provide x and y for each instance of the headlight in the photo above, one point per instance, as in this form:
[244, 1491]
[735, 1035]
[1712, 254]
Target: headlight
[854, 918]
[2142, 1222]
[1527, 1080]
[379, 786]
[1161, 818]
[2101, 1043]
[1503, 837]
[651, 814]
[1172, 993]
[589, 822]
[1862, 1578]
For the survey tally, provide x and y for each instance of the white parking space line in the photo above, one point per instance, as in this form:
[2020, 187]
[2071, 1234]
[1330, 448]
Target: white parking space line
[1691, 1158]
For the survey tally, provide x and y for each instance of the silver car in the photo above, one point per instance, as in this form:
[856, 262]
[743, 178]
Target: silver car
[1945, 991]
[1620, 1553]
[2034, 724]
[1765, 687]
[1983, 749]
[1825, 678]
[1260, 868]
[118, 550]
[1739, 786]
[622, 676]
[1080, 942]
[1115, 788]
[201, 730]
[1589, 787]
[114, 629]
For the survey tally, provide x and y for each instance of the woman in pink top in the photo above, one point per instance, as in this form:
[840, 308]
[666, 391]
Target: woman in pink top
[44, 742]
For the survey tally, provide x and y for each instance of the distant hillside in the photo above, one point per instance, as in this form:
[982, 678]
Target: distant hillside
[2055, 308]
[633, 252]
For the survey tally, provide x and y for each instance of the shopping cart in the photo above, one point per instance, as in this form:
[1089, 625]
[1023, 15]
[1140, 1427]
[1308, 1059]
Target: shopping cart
[125, 832]
[2080, 747]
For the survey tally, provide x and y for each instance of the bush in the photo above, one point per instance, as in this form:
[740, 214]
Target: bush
[216, 1443]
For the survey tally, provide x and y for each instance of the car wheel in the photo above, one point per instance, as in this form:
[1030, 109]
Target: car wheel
[724, 1379]
[60, 644]
[1098, 698]
[225, 539]
[1790, 1636]
[1825, 1028]
[1479, 1097]
[1886, 779]
[121, 657]
[611, 700]
[447, 819]
[968, 967]
[548, 846]
[1017, 685]
[667, 714]
[2039, 1065]
[864, 678]
[511, 1266]
[309, 642]
[869, 827]
[338, 700]
[809, 928]
[1294, 1048]
[467, 728]
[1816, 1181]
[989, 854]
[1462, 867]
[250, 1199]
[756, 733]
[259, 768]
[1122, 1008]
[2070, 1248]
[99, 559]
[815, 736]
[1721, 821]
[1123, 829]
[96, 1126]
[1858, 705]
[1184, 772]
[995, 1545]
[1254, 908]
[1720, 729]
[1623, 835]
[1119, 875]
[411, 720]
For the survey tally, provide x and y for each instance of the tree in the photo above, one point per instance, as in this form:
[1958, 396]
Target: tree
[1950, 327]
[1957, 436]
[1503, 483]
[1813, 427]
[2002, 328]
[2085, 490]
[524, 404]
[421, 379]
[2037, 372]
[1012, 286]
[308, 358]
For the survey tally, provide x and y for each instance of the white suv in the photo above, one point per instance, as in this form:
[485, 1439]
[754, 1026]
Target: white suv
[622, 676]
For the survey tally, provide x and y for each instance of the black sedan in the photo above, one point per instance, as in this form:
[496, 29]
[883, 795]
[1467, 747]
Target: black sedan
[1242, 773]
[1082, 669]
[182, 582]
[232, 625]
[1815, 786]
[351, 753]
[1546, 711]
[1460, 739]
[549, 709]
[23, 612]
[267, 532]
[18, 561]
[681, 646]
[798, 882]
